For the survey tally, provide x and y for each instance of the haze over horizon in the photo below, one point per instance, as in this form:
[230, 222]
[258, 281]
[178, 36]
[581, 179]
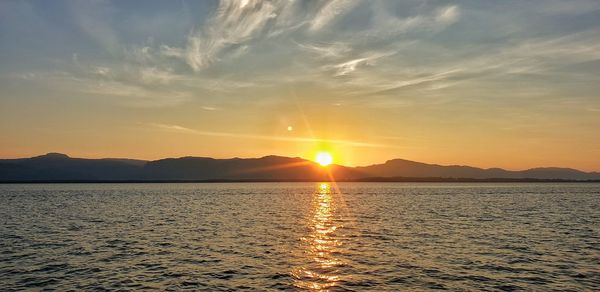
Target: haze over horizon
[445, 82]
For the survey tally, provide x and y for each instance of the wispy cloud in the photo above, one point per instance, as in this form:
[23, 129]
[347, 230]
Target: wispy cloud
[368, 59]
[101, 81]
[177, 128]
[447, 15]
[329, 12]
[388, 25]
[326, 50]
[236, 23]
[250, 46]
[153, 75]
[229, 33]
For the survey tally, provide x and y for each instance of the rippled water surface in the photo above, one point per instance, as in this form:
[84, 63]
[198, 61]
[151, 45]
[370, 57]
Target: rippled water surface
[300, 236]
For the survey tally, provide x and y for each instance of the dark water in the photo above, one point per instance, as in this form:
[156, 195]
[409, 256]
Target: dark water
[296, 236]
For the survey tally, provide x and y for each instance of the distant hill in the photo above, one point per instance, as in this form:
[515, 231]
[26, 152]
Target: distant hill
[268, 168]
[407, 168]
[60, 167]
[56, 166]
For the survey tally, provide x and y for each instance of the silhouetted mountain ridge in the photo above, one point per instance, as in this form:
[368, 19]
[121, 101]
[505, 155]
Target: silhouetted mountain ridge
[61, 167]
[407, 168]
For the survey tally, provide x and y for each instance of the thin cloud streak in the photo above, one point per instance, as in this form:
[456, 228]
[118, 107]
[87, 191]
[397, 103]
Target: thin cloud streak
[176, 128]
[333, 50]
[352, 65]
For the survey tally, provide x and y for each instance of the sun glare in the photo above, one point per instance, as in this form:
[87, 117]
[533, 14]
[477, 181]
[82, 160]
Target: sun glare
[324, 158]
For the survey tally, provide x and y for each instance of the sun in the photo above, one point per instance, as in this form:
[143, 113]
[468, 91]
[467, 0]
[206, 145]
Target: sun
[324, 158]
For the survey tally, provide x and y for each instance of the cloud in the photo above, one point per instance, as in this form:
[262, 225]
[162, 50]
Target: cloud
[388, 49]
[543, 57]
[155, 75]
[230, 33]
[329, 12]
[132, 95]
[418, 80]
[108, 83]
[326, 50]
[447, 15]
[181, 129]
[350, 66]
[102, 71]
[234, 23]
[172, 52]
[387, 25]
[369, 59]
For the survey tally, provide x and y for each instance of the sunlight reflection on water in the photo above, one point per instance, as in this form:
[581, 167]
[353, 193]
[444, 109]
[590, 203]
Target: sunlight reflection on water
[321, 243]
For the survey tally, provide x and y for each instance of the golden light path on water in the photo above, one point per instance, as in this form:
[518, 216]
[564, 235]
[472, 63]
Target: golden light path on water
[322, 244]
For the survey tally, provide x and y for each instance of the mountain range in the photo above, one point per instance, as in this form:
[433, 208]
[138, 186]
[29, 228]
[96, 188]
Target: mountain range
[57, 167]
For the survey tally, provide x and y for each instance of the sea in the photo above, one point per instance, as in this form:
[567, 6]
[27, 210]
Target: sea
[300, 236]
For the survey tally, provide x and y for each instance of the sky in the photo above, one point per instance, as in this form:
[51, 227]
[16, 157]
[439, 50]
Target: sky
[512, 84]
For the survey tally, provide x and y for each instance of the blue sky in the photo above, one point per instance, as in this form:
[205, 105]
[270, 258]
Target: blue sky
[442, 81]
